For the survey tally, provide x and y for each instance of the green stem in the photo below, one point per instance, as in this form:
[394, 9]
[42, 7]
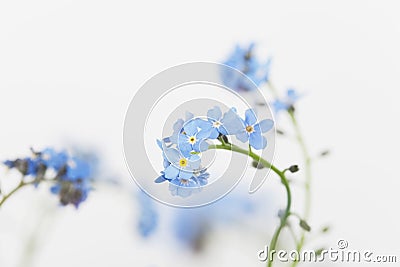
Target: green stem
[284, 181]
[19, 186]
[308, 178]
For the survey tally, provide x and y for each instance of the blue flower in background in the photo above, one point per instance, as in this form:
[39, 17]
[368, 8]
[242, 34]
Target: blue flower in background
[191, 226]
[148, 217]
[286, 103]
[252, 131]
[54, 159]
[72, 180]
[244, 60]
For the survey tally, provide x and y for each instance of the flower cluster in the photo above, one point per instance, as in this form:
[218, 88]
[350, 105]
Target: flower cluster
[182, 150]
[243, 59]
[70, 175]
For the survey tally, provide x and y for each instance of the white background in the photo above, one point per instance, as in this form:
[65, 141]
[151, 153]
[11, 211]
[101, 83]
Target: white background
[68, 70]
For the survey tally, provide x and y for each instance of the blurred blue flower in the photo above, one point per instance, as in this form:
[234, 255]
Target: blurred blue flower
[148, 217]
[286, 103]
[54, 159]
[191, 226]
[244, 60]
[252, 131]
[72, 175]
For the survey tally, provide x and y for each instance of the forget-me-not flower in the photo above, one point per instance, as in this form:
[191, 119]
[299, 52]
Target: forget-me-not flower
[226, 124]
[253, 130]
[181, 166]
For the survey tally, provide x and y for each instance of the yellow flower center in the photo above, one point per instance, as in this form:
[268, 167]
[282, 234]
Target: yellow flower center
[249, 129]
[183, 162]
[192, 140]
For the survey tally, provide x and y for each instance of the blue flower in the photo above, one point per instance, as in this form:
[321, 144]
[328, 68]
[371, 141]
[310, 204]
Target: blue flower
[178, 128]
[286, 103]
[72, 179]
[148, 217]
[54, 159]
[181, 166]
[252, 131]
[192, 138]
[77, 169]
[71, 192]
[243, 60]
[191, 226]
[225, 125]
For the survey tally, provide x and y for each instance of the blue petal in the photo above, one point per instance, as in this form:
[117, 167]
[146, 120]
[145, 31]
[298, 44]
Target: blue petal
[257, 140]
[160, 179]
[172, 155]
[171, 172]
[184, 146]
[203, 124]
[80, 169]
[292, 95]
[194, 162]
[159, 143]
[185, 175]
[203, 134]
[214, 133]
[251, 117]
[243, 136]
[178, 125]
[265, 125]
[232, 123]
[189, 116]
[215, 113]
[190, 128]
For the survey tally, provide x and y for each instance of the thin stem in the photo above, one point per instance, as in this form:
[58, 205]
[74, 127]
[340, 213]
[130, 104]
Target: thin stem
[272, 88]
[308, 178]
[284, 181]
[19, 186]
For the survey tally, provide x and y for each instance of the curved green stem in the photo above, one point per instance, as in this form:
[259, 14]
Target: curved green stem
[308, 178]
[19, 186]
[284, 181]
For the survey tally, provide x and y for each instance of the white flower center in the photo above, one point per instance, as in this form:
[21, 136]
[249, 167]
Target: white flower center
[216, 124]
